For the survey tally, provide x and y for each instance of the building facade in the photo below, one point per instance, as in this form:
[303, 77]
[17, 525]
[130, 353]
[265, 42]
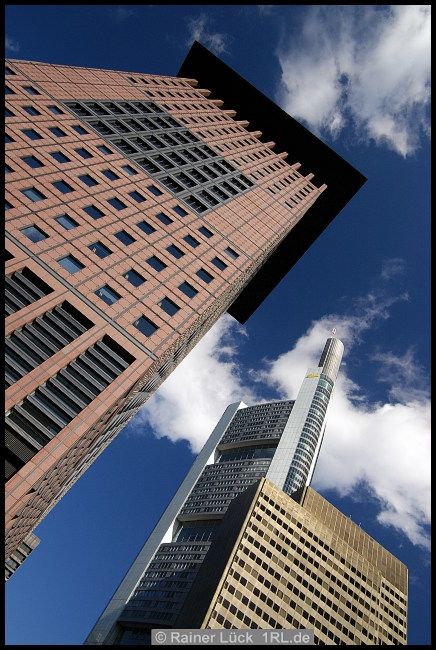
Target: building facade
[138, 211]
[248, 442]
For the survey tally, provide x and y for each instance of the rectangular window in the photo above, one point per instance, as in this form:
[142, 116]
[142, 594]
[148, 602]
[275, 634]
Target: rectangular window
[57, 132]
[154, 190]
[8, 139]
[100, 249]
[169, 306]
[219, 263]
[105, 150]
[60, 157]
[188, 289]
[33, 194]
[136, 196]
[55, 110]
[88, 180]
[145, 227]
[32, 161]
[32, 134]
[34, 233]
[231, 253]
[189, 239]
[175, 251]
[156, 263]
[145, 326]
[117, 204]
[94, 212]
[204, 231]
[63, 187]
[180, 211]
[83, 153]
[80, 130]
[108, 295]
[70, 264]
[66, 222]
[124, 237]
[110, 174]
[9, 113]
[31, 90]
[134, 278]
[8, 170]
[129, 170]
[205, 276]
[164, 218]
[31, 110]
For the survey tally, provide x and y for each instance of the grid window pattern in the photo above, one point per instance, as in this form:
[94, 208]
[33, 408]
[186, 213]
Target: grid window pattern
[23, 288]
[34, 233]
[169, 306]
[28, 347]
[66, 222]
[33, 162]
[145, 326]
[33, 423]
[100, 249]
[134, 278]
[70, 264]
[108, 295]
[175, 156]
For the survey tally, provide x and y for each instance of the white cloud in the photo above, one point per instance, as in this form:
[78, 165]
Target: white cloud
[366, 66]
[11, 44]
[191, 401]
[383, 447]
[199, 31]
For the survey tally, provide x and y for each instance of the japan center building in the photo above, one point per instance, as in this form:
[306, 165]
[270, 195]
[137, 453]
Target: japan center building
[139, 209]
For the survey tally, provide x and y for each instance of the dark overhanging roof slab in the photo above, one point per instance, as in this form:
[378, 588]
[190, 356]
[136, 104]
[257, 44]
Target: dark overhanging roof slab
[342, 180]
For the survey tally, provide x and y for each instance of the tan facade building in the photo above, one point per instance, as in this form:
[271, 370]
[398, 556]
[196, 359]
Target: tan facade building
[299, 565]
[138, 211]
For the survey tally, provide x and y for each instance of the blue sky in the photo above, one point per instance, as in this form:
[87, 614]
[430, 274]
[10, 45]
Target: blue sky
[360, 79]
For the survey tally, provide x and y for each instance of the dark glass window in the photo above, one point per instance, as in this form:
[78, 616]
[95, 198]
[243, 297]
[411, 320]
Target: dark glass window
[32, 134]
[33, 194]
[34, 233]
[9, 91]
[8, 170]
[94, 212]
[231, 253]
[55, 110]
[63, 187]
[66, 222]
[124, 237]
[169, 306]
[32, 161]
[8, 139]
[145, 326]
[156, 263]
[83, 152]
[57, 132]
[164, 218]
[80, 130]
[188, 289]
[117, 204]
[145, 227]
[100, 249]
[129, 170]
[219, 263]
[60, 157]
[31, 90]
[137, 196]
[154, 190]
[9, 71]
[175, 251]
[9, 113]
[31, 110]
[110, 174]
[189, 239]
[88, 180]
[205, 276]
[104, 149]
[134, 278]
[204, 231]
[180, 211]
[108, 295]
[70, 264]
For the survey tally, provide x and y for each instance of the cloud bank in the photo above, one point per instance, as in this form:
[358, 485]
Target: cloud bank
[199, 31]
[364, 66]
[378, 447]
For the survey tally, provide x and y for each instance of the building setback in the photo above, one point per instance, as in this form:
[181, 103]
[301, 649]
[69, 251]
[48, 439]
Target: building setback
[138, 211]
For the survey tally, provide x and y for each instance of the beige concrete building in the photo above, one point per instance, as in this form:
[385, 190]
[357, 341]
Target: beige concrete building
[299, 564]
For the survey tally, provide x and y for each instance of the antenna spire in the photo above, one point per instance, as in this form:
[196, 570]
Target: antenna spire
[333, 331]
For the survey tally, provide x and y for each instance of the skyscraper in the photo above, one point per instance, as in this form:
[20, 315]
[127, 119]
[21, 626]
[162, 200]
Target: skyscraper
[279, 440]
[138, 210]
